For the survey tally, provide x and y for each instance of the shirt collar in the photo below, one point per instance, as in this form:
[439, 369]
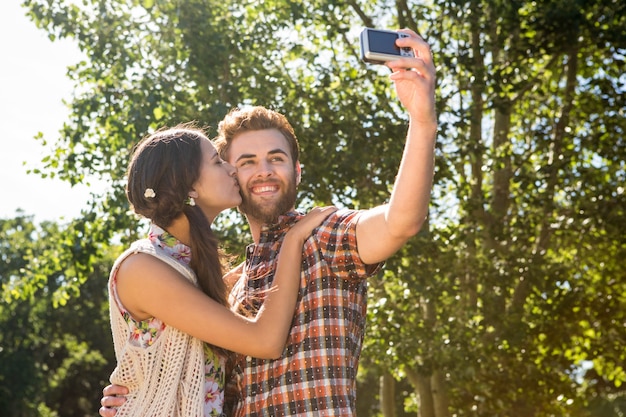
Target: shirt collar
[285, 221]
[167, 242]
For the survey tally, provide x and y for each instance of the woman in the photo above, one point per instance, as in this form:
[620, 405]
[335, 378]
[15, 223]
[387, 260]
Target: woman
[171, 340]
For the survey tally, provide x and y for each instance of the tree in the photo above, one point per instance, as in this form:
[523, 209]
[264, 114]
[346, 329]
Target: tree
[494, 309]
[510, 314]
[53, 361]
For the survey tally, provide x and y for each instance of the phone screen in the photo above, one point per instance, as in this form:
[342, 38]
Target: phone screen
[383, 42]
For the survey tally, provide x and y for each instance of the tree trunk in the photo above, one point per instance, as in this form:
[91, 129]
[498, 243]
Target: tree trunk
[426, 406]
[556, 147]
[387, 395]
[440, 394]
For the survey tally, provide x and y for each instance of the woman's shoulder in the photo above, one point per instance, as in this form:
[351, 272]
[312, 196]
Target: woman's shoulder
[149, 247]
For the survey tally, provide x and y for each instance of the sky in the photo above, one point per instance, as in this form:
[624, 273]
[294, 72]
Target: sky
[33, 85]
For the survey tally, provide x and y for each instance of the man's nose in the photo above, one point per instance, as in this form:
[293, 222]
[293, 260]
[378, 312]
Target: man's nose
[264, 169]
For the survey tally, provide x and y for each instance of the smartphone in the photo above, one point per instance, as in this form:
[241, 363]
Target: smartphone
[379, 46]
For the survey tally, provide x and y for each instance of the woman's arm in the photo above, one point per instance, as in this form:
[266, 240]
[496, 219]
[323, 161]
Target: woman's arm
[180, 304]
[232, 276]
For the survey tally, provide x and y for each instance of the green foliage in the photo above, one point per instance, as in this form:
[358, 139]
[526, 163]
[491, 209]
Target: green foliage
[512, 300]
[53, 361]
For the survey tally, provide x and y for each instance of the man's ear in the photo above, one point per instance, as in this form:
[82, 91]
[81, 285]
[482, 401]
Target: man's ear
[298, 173]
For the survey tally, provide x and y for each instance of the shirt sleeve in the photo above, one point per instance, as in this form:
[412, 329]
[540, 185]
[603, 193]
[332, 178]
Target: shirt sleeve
[339, 247]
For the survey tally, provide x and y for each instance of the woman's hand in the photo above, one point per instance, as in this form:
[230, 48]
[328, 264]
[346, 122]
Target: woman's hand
[302, 230]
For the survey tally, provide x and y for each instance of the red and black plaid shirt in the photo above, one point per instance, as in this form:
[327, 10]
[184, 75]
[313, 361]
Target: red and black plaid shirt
[317, 371]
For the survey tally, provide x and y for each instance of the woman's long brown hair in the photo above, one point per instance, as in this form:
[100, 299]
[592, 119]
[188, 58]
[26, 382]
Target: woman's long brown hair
[169, 162]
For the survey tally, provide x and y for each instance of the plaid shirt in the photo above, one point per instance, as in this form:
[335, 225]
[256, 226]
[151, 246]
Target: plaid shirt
[317, 371]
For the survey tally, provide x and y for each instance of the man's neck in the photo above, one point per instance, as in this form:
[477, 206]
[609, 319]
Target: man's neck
[255, 229]
[256, 226]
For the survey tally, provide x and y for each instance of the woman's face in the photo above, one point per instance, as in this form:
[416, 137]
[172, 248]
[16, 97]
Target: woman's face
[216, 188]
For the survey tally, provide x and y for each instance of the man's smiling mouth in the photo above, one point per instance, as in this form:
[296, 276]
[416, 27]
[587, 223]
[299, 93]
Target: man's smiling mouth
[265, 189]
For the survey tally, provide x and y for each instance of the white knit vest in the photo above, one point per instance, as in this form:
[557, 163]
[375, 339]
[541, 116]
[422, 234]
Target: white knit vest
[165, 379]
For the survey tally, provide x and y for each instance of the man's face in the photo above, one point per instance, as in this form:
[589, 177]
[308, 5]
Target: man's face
[266, 174]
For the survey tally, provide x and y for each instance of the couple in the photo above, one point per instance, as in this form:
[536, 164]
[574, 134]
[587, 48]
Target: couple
[324, 258]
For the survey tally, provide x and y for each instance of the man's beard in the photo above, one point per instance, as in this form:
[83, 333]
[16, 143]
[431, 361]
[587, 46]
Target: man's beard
[268, 212]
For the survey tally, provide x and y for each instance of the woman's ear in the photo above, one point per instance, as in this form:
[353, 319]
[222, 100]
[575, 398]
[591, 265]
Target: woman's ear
[193, 194]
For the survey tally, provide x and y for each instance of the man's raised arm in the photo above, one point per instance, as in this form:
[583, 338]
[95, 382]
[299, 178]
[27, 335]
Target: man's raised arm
[381, 231]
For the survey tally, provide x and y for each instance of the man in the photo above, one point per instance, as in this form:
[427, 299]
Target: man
[317, 371]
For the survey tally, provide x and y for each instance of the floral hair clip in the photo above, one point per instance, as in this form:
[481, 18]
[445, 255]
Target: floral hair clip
[149, 193]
